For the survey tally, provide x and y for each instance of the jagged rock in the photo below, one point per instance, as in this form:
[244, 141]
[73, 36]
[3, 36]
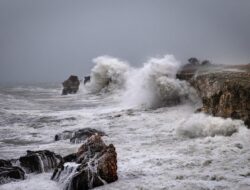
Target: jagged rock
[86, 79]
[71, 85]
[193, 61]
[224, 90]
[10, 173]
[39, 161]
[94, 164]
[5, 163]
[78, 136]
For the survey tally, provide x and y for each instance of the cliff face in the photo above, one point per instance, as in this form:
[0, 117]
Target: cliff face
[224, 90]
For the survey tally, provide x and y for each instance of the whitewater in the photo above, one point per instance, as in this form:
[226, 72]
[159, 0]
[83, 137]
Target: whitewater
[149, 116]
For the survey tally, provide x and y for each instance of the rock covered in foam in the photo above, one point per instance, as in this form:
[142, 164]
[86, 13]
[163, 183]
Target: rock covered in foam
[39, 161]
[5, 163]
[94, 164]
[71, 85]
[224, 90]
[10, 173]
[78, 136]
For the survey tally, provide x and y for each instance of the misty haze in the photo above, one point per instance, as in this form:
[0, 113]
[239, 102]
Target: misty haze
[118, 95]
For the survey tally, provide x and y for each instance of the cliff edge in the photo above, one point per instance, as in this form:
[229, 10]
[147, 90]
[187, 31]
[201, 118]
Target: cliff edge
[224, 90]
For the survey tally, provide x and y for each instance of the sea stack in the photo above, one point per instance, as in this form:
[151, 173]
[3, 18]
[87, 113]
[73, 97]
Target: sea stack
[71, 85]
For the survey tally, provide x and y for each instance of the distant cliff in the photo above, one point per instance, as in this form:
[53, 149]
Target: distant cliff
[224, 90]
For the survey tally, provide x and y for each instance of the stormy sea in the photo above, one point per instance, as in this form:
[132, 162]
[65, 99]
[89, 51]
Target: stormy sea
[146, 113]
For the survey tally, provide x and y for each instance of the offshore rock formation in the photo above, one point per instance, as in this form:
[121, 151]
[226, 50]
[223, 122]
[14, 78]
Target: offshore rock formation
[86, 79]
[39, 161]
[224, 90]
[94, 164]
[10, 173]
[71, 85]
[78, 136]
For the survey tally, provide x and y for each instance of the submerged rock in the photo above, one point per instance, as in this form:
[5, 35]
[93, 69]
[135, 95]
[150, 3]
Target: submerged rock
[11, 173]
[78, 136]
[94, 164]
[224, 90]
[5, 163]
[86, 79]
[71, 85]
[39, 161]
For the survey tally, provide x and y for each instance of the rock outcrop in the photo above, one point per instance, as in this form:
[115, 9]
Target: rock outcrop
[71, 85]
[94, 164]
[78, 136]
[86, 79]
[39, 161]
[224, 90]
[10, 173]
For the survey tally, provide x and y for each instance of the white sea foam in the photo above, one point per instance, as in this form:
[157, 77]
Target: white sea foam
[153, 85]
[108, 71]
[202, 125]
[150, 154]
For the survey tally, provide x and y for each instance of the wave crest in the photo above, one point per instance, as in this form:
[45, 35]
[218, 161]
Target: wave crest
[202, 125]
[107, 72]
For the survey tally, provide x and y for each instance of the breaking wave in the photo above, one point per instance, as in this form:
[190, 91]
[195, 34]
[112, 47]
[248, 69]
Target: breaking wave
[202, 125]
[109, 72]
[153, 85]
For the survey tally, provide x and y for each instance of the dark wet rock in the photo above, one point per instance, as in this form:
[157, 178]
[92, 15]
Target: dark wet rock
[39, 161]
[193, 61]
[71, 85]
[224, 90]
[78, 136]
[10, 173]
[5, 163]
[86, 79]
[94, 164]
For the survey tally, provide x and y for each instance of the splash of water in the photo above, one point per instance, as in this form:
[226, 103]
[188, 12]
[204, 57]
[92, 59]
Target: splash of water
[153, 85]
[108, 71]
[202, 125]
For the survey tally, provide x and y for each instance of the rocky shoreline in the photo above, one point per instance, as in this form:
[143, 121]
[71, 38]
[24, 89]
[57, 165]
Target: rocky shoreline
[224, 90]
[93, 165]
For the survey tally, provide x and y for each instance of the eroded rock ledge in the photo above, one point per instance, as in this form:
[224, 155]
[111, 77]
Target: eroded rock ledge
[224, 90]
[93, 165]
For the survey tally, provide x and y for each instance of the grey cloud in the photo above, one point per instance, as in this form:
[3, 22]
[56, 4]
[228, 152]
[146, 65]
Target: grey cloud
[48, 40]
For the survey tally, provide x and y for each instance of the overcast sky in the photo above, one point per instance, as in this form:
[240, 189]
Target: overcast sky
[47, 40]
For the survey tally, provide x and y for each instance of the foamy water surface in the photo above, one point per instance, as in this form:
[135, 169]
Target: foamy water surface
[160, 142]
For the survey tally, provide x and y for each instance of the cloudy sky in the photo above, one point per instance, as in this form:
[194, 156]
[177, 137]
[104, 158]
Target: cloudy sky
[47, 40]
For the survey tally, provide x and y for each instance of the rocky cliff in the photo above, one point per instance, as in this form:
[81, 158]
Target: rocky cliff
[224, 90]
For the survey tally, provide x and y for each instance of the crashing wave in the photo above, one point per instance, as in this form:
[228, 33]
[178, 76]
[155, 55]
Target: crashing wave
[153, 85]
[202, 125]
[107, 72]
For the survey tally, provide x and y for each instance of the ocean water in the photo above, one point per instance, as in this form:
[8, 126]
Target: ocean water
[148, 115]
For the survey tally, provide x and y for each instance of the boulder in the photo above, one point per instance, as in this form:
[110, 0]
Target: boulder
[224, 90]
[71, 85]
[39, 161]
[5, 163]
[78, 136]
[93, 165]
[11, 173]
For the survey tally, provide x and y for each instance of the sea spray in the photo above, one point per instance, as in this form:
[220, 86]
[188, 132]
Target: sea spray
[108, 72]
[202, 125]
[151, 86]
[155, 84]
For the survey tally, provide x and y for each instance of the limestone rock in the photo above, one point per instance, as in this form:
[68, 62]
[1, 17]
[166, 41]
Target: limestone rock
[39, 161]
[224, 90]
[93, 165]
[71, 85]
[78, 136]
